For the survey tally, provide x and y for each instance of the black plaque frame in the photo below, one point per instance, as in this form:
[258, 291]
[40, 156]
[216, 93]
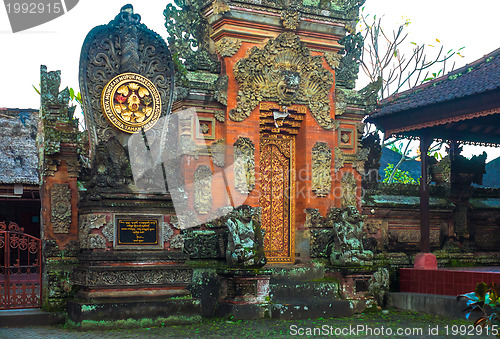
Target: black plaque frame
[125, 243]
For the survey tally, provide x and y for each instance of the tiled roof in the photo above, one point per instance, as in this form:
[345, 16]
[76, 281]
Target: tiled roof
[480, 76]
[18, 153]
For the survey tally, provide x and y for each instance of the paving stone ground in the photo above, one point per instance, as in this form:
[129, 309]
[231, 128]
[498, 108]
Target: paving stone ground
[387, 326]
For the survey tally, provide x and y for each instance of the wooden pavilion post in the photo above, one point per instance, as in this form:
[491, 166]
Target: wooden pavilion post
[425, 259]
[425, 247]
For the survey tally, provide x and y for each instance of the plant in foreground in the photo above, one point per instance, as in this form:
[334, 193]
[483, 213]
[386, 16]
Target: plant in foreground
[485, 302]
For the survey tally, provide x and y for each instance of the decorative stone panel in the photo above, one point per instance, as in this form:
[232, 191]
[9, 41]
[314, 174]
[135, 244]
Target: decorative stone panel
[218, 152]
[60, 199]
[203, 189]
[244, 165]
[349, 190]
[321, 173]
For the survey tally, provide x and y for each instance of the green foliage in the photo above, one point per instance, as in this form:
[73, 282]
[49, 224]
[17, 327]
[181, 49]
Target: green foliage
[75, 96]
[399, 176]
[484, 300]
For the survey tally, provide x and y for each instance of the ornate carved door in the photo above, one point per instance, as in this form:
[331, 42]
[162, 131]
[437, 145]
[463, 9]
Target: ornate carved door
[20, 271]
[277, 203]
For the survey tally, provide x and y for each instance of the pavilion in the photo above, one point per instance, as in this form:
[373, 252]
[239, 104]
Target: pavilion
[461, 107]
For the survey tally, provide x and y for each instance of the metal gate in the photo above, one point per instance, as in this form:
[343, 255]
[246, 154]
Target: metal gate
[20, 268]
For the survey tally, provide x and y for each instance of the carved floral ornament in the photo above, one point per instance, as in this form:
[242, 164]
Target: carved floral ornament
[283, 71]
[227, 47]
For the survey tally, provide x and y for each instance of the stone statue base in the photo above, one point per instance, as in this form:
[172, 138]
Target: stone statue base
[245, 293]
[359, 286]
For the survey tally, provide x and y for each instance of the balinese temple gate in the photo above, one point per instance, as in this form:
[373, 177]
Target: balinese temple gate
[260, 132]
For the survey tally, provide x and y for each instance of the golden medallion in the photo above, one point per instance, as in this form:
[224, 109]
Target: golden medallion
[131, 102]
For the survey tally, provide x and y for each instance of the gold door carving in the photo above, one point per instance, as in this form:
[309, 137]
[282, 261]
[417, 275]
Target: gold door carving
[277, 182]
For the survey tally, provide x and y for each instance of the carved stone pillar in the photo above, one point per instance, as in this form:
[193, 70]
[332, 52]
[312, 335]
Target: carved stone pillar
[59, 168]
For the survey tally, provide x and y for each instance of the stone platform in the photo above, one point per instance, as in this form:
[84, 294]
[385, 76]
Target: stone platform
[244, 294]
[171, 311]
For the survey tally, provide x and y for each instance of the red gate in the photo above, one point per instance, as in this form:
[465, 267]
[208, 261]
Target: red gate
[20, 268]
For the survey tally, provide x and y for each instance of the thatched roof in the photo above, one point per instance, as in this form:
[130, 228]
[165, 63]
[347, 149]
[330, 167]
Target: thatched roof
[18, 152]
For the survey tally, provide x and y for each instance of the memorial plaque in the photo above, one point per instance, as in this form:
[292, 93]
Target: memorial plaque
[132, 231]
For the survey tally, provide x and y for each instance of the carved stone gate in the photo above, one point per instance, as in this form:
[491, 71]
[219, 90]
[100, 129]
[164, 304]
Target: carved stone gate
[20, 268]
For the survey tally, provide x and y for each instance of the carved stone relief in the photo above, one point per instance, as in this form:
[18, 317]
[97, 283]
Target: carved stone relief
[185, 220]
[89, 222]
[333, 59]
[320, 239]
[373, 226]
[349, 190]
[314, 218]
[227, 47]
[359, 161]
[290, 18]
[356, 159]
[177, 242]
[283, 71]
[60, 201]
[96, 241]
[218, 152]
[203, 189]
[220, 94]
[339, 159]
[131, 277]
[203, 244]
[220, 6]
[412, 235]
[244, 165]
[168, 232]
[220, 115]
[321, 174]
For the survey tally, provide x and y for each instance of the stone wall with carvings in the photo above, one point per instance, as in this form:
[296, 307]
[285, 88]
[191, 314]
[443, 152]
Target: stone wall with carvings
[279, 81]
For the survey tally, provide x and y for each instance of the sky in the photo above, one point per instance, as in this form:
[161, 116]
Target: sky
[57, 44]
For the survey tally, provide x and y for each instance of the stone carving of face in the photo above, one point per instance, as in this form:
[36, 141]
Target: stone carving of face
[288, 85]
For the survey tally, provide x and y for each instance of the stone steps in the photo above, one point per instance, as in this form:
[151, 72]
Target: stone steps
[296, 273]
[303, 293]
[29, 317]
[293, 309]
[307, 289]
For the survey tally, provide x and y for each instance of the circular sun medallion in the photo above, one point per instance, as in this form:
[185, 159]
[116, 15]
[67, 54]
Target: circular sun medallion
[131, 102]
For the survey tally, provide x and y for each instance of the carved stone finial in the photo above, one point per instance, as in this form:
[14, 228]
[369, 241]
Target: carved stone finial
[347, 72]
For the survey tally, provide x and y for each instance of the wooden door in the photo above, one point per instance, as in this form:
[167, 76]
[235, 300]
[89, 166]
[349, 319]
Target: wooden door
[277, 182]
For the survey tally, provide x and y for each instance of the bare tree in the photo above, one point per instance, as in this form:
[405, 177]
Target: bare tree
[387, 55]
